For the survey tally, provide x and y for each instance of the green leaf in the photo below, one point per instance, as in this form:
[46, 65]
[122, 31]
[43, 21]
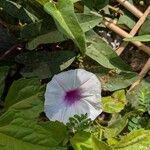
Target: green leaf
[115, 127]
[135, 140]
[115, 81]
[143, 38]
[79, 123]
[114, 103]
[86, 141]
[50, 37]
[139, 97]
[127, 19]
[102, 53]
[44, 64]
[19, 128]
[74, 1]
[27, 135]
[24, 100]
[66, 21]
[112, 80]
[35, 29]
[29, 109]
[17, 11]
[145, 28]
[96, 4]
[3, 73]
[88, 21]
[22, 89]
[42, 2]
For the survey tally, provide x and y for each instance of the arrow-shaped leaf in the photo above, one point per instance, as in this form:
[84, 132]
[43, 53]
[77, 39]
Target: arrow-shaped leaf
[66, 20]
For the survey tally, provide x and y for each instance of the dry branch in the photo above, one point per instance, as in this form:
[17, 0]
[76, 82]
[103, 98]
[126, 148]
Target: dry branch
[134, 30]
[141, 75]
[131, 8]
[109, 24]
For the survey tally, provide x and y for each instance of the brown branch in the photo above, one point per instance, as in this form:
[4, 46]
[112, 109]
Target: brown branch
[134, 30]
[131, 8]
[109, 24]
[16, 46]
[141, 75]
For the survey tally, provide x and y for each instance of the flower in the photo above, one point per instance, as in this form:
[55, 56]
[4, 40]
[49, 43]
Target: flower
[73, 92]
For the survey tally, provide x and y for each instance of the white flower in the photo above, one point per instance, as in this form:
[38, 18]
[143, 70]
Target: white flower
[73, 92]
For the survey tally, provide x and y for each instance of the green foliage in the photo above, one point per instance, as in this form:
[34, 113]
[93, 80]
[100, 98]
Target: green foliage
[102, 53]
[136, 140]
[43, 64]
[19, 126]
[145, 29]
[115, 81]
[116, 125]
[114, 103]
[36, 29]
[25, 134]
[17, 11]
[143, 38]
[48, 29]
[61, 11]
[22, 89]
[79, 123]
[134, 123]
[84, 140]
[88, 21]
[24, 100]
[96, 4]
[126, 19]
[140, 96]
[51, 37]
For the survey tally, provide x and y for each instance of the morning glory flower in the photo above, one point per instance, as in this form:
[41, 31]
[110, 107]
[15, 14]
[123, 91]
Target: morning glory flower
[73, 92]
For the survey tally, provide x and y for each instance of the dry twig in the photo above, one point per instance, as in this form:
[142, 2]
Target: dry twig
[131, 8]
[109, 24]
[134, 30]
[141, 75]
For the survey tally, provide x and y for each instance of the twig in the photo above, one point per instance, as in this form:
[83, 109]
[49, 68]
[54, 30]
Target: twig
[141, 75]
[109, 24]
[131, 8]
[16, 46]
[134, 30]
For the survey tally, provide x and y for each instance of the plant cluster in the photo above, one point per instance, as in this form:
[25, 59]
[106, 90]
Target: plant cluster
[40, 38]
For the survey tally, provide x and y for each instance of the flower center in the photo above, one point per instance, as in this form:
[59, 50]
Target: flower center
[72, 96]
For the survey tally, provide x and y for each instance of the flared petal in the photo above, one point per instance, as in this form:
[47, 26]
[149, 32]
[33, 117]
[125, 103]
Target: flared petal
[62, 113]
[54, 93]
[63, 90]
[83, 77]
[66, 79]
[92, 89]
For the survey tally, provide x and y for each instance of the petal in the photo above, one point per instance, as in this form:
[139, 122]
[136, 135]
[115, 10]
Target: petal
[92, 83]
[92, 109]
[52, 110]
[54, 93]
[66, 79]
[91, 89]
[63, 113]
[83, 77]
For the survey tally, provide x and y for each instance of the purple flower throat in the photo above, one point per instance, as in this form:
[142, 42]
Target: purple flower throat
[72, 96]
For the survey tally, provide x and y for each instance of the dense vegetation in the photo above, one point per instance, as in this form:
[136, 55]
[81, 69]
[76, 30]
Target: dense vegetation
[40, 38]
